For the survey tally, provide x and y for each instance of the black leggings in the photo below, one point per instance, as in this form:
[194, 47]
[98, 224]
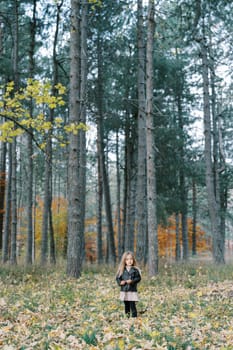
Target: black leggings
[130, 305]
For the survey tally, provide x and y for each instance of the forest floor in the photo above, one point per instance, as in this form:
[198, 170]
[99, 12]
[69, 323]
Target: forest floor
[186, 306]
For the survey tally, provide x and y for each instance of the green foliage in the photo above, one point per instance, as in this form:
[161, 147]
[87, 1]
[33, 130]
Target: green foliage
[90, 338]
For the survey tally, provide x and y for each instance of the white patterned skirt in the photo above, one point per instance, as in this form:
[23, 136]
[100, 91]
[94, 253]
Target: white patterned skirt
[129, 296]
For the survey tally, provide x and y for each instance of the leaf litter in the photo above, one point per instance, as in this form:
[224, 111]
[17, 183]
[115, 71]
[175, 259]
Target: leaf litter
[59, 313]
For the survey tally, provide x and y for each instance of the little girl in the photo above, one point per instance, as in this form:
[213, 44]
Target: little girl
[127, 277]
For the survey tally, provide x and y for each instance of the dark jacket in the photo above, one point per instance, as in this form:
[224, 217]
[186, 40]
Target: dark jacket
[134, 275]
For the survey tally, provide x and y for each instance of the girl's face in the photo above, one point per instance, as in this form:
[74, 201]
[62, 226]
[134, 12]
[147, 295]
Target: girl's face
[129, 260]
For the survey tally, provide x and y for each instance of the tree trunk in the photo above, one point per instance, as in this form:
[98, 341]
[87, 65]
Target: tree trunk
[47, 194]
[141, 211]
[29, 248]
[218, 157]
[213, 202]
[13, 253]
[30, 238]
[118, 178]
[74, 256]
[99, 208]
[47, 211]
[194, 226]
[82, 133]
[51, 238]
[130, 207]
[100, 132]
[107, 197]
[178, 255]
[7, 217]
[184, 213]
[150, 138]
[2, 190]
[183, 186]
[212, 184]
[130, 183]
[126, 180]
[76, 162]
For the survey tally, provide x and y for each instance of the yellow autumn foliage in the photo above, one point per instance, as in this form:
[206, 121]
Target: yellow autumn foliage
[14, 108]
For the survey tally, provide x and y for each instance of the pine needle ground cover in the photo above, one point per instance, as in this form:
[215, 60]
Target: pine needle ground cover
[184, 307]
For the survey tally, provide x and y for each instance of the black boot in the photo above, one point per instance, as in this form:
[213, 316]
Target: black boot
[133, 309]
[127, 308]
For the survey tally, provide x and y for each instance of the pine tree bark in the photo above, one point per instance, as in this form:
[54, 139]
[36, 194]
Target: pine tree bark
[212, 178]
[130, 184]
[150, 143]
[99, 207]
[7, 217]
[13, 253]
[184, 215]
[101, 149]
[141, 209]
[82, 133]
[45, 223]
[194, 224]
[183, 186]
[30, 239]
[213, 202]
[74, 256]
[76, 161]
[218, 156]
[178, 253]
[2, 190]
[118, 178]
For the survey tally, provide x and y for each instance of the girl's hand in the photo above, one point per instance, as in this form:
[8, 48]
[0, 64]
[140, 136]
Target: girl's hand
[122, 283]
[129, 281]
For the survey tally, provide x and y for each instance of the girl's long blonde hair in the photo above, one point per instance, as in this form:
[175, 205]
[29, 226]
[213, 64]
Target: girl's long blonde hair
[122, 263]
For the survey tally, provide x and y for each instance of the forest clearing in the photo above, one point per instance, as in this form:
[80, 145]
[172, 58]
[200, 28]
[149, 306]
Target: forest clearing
[116, 122]
[186, 306]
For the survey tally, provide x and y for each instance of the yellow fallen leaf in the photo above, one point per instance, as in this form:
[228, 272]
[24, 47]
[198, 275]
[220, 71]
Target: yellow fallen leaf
[178, 331]
[155, 334]
[6, 328]
[121, 344]
[55, 347]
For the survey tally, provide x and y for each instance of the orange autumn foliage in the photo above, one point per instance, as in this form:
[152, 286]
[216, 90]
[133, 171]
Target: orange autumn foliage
[59, 210]
[167, 238]
[166, 235]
